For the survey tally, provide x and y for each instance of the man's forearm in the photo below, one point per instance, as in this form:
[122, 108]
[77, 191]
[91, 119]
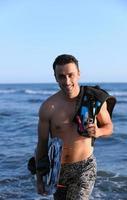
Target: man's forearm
[104, 131]
[41, 150]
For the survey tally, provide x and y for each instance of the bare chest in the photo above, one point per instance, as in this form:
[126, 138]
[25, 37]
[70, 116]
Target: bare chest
[62, 117]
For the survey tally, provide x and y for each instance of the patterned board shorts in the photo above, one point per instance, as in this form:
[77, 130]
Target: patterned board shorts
[78, 180]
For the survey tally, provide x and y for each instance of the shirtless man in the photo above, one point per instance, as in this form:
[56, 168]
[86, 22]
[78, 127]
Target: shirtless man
[78, 170]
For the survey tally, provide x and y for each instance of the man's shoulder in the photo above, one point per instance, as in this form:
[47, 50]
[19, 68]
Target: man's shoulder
[48, 105]
[52, 99]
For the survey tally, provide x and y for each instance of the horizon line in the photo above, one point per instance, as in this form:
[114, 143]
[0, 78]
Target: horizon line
[56, 82]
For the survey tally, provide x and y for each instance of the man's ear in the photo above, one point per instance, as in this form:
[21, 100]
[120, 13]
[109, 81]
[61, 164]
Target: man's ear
[79, 73]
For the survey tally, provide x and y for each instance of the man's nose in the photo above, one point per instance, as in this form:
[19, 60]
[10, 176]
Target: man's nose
[67, 80]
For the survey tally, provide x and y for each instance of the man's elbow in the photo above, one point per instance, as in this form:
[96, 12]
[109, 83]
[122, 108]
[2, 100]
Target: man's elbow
[110, 129]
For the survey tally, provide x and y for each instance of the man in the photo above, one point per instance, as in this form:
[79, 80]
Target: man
[78, 164]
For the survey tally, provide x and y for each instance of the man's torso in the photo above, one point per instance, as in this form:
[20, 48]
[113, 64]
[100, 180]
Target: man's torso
[76, 147]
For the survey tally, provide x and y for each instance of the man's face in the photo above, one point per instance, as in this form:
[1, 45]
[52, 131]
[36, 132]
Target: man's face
[67, 77]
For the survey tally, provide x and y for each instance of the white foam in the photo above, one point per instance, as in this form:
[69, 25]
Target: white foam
[118, 93]
[7, 91]
[45, 92]
[46, 197]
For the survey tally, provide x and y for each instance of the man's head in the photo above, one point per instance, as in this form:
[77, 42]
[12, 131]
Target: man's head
[66, 71]
[65, 59]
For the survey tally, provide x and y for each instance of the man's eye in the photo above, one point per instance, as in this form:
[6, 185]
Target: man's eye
[61, 77]
[71, 75]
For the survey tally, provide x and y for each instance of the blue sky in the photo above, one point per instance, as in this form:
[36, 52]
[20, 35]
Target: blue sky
[33, 33]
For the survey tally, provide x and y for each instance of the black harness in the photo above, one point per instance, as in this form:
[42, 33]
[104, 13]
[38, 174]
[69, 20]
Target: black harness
[88, 106]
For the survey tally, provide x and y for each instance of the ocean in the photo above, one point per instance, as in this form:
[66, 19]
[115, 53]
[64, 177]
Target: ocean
[19, 105]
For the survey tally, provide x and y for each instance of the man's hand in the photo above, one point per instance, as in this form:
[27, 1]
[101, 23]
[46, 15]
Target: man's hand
[40, 186]
[91, 129]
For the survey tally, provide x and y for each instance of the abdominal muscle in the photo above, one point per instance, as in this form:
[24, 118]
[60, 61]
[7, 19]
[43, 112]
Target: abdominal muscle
[78, 151]
[75, 147]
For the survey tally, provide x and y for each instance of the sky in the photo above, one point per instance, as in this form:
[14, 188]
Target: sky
[34, 32]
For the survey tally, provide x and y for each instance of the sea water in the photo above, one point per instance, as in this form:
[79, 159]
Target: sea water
[19, 105]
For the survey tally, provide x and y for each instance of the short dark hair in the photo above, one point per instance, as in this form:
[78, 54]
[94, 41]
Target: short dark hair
[65, 59]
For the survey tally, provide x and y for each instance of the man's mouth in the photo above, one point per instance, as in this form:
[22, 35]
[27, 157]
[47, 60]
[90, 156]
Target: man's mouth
[68, 87]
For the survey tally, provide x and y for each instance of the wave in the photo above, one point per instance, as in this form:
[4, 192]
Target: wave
[5, 114]
[8, 113]
[28, 91]
[7, 91]
[110, 186]
[50, 91]
[35, 100]
[118, 93]
[123, 101]
[44, 92]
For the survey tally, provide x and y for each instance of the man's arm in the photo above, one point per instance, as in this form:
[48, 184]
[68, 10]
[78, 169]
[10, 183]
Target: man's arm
[106, 125]
[42, 144]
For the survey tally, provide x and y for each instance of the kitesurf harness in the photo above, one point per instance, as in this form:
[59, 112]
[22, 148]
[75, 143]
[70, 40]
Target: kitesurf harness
[89, 103]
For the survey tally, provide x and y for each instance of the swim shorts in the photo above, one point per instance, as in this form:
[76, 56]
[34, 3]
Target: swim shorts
[77, 180]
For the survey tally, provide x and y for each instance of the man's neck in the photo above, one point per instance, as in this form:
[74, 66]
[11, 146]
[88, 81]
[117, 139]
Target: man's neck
[74, 95]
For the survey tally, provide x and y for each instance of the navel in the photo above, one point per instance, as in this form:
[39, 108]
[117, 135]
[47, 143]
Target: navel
[57, 127]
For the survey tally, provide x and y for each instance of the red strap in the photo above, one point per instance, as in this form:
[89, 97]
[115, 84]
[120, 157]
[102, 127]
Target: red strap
[61, 186]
